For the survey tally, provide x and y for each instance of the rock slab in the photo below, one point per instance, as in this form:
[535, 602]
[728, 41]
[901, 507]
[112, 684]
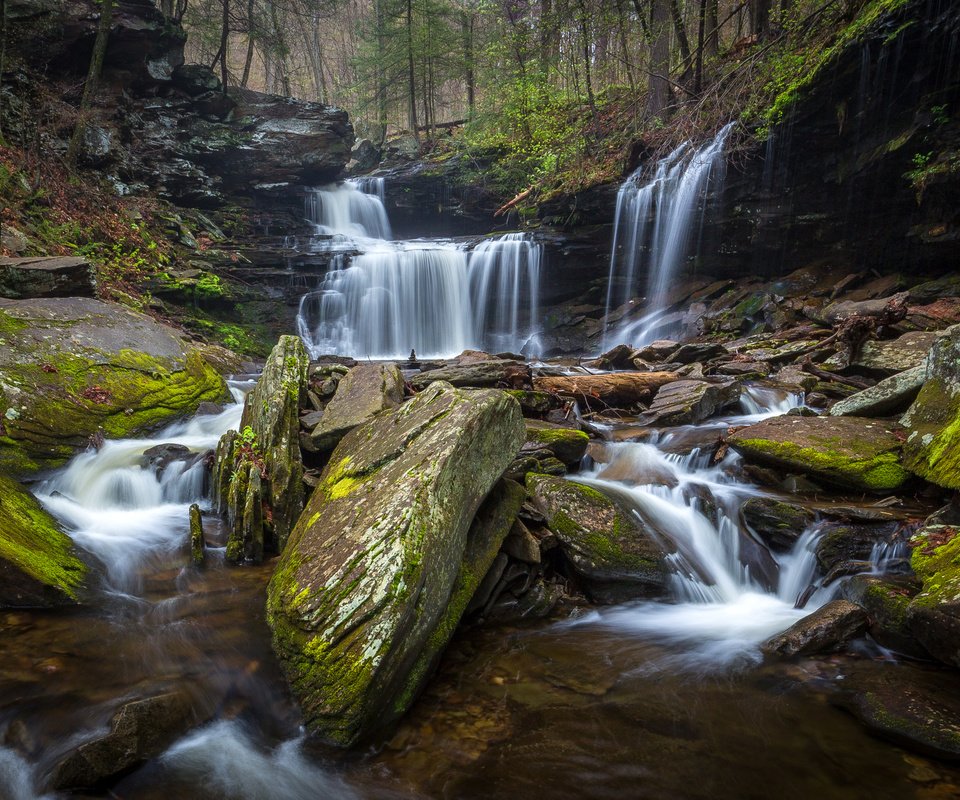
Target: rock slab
[55, 276]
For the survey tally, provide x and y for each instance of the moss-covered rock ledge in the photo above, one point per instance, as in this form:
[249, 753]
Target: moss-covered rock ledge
[72, 367]
[38, 565]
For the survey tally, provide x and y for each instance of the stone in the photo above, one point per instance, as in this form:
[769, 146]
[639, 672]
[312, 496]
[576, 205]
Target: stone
[657, 351]
[848, 452]
[364, 391]
[826, 629]
[38, 564]
[262, 463]
[619, 389]
[844, 309]
[896, 355]
[691, 352]
[364, 156]
[161, 456]
[568, 445]
[690, 402]
[845, 542]
[197, 544]
[933, 615]
[522, 545]
[58, 276]
[535, 404]
[610, 555]
[381, 564]
[140, 730]
[777, 523]
[932, 449]
[494, 373]
[620, 357]
[886, 601]
[73, 368]
[889, 396]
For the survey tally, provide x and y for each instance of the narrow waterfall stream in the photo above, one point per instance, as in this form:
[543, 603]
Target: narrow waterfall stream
[432, 296]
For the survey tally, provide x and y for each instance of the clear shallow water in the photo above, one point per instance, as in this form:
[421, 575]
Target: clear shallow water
[641, 700]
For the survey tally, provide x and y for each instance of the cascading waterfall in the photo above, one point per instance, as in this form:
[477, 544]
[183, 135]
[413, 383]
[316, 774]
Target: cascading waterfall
[661, 218]
[434, 297]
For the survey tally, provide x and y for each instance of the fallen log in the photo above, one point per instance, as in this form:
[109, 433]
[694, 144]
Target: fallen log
[519, 198]
[613, 389]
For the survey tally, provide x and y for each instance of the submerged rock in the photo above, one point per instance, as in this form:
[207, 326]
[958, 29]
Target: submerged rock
[611, 556]
[381, 564]
[38, 564]
[75, 368]
[825, 629]
[848, 452]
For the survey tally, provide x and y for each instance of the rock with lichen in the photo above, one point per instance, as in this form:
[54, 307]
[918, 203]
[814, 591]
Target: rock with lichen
[383, 562]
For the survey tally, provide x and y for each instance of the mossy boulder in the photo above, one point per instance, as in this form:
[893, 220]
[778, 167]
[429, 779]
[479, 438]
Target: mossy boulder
[932, 449]
[934, 613]
[777, 523]
[610, 555]
[362, 392]
[38, 565]
[886, 601]
[567, 445]
[261, 466]
[381, 563]
[847, 452]
[72, 368]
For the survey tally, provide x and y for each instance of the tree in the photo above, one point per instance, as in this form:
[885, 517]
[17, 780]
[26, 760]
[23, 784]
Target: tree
[93, 79]
[658, 85]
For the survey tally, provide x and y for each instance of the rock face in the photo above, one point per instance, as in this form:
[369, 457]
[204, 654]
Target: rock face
[847, 452]
[261, 466]
[38, 565]
[361, 393]
[932, 449]
[611, 556]
[825, 629]
[933, 615]
[380, 565]
[46, 277]
[73, 367]
[690, 402]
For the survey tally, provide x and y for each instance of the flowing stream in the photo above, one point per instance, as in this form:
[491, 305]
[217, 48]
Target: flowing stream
[384, 298]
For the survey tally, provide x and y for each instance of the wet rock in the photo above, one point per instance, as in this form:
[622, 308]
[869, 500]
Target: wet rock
[161, 456]
[889, 396]
[844, 309]
[364, 391]
[261, 465]
[934, 613]
[777, 523]
[690, 402]
[59, 276]
[568, 445]
[849, 452]
[197, 544]
[841, 543]
[886, 601]
[496, 372]
[657, 352]
[38, 564]
[620, 357]
[536, 404]
[140, 730]
[932, 449]
[824, 630]
[610, 555]
[364, 156]
[618, 389]
[76, 367]
[209, 409]
[381, 565]
[537, 602]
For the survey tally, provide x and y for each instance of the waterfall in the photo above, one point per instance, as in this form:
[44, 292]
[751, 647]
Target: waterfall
[657, 222]
[434, 297]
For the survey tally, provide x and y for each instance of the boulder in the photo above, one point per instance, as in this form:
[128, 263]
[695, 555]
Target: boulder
[535, 404]
[72, 368]
[777, 523]
[38, 564]
[886, 601]
[566, 444]
[61, 276]
[381, 563]
[364, 391]
[841, 542]
[495, 372]
[826, 629]
[896, 355]
[932, 449]
[690, 402]
[197, 544]
[933, 615]
[696, 351]
[364, 156]
[611, 556]
[261, 465]
[848, 452]
[613, 389]
[889, 396]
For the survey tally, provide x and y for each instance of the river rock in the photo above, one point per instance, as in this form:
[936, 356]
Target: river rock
[566, 444]
[380, 565]
[896, 355]
[364, 391]
[690, 402]
[826, 629]
[848, 452]
[934, 613]
[889, 396]
[611, 556]
[886, 601]
[691, 352]
[38, 564]
[495, 372]
[535, 404]
[932, 449]
[840, 543]
[161, 456]
[262, 463]
[614, 389]
[197, 544]
[777, 523]
[58, 276]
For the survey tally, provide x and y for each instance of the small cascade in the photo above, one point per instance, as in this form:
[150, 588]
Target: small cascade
[434, 297]
[657, 223]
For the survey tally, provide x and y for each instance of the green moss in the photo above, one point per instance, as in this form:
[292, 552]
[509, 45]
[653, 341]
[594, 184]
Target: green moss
[31, 540]
[551, 436]
[937, 565]
[933, 448]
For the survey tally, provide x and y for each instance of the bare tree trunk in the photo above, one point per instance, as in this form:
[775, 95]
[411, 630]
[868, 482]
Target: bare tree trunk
[411, 74]
[760, 17]
[466, 40]
[658, 86]
[712, 46]
[224, 42]
[622, 33]
[701, 26]
[93, 79]
[585, 34]
[381, 74]
[248, 60]
[682, 40]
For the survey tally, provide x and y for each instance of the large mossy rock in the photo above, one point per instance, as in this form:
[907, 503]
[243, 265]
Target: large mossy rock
[261, 466]
[889, 396]
[933, 615]
[362, 392]
[848, 452]
[568, 445]
[611, 556]
[380, 565]
[38, 565]
[932, 449]
[71, 368]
